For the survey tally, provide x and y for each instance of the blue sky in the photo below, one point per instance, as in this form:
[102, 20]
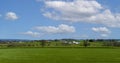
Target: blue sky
[57, 19]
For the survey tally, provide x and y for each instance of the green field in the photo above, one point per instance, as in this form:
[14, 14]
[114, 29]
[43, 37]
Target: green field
[60, 55]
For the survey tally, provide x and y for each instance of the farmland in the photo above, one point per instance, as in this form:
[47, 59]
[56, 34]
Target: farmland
[60, 51]
[60, 55]
[60, 43]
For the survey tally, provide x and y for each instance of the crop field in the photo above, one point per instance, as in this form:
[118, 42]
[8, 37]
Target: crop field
[60, 55]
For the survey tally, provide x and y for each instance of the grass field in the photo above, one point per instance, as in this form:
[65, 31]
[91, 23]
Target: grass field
[60, 55]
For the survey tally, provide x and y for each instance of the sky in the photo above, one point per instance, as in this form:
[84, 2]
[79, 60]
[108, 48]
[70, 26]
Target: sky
[59, 19]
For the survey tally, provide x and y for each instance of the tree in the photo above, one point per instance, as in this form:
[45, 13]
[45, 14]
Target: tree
[43, 43]
[91, 40]
[86, 43]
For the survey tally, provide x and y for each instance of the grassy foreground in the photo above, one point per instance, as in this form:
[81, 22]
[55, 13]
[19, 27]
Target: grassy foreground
[60, 55]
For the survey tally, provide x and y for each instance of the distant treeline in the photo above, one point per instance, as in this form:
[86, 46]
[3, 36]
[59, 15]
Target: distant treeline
[61, 43]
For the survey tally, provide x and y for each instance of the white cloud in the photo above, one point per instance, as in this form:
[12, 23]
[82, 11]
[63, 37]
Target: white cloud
[56, 30]
[11, 16]
[72, 10]
[77, 6]
[107, 18]
[102, 30]
[30, 33]
[83, 36]
[104, 35]
[89, 11]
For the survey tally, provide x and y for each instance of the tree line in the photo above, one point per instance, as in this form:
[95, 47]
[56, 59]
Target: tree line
[62, 43]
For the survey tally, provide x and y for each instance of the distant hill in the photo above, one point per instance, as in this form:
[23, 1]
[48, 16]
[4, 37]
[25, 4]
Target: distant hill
[14, 40]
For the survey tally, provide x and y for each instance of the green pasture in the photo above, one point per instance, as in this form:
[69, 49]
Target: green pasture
[60, 55]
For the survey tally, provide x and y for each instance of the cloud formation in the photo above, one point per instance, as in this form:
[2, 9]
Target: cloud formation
[104, 35]
[63, 28]
[11, 16]
[102, 30]
[89, 11]
[30, 33]
[43, 30]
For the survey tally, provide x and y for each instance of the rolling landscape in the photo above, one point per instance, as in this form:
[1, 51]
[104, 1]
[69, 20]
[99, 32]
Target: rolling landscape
[59, 31]
[60, 51]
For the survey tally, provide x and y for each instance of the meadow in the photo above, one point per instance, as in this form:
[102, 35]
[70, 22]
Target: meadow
[60, 55]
